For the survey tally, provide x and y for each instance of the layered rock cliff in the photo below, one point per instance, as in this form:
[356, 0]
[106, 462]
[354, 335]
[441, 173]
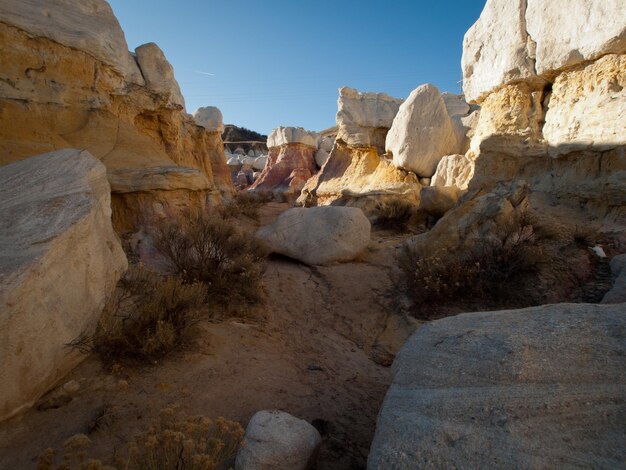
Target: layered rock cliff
[553, 104]
[68, 80]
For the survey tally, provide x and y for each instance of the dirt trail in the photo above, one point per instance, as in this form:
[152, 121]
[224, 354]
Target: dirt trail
[320, 350]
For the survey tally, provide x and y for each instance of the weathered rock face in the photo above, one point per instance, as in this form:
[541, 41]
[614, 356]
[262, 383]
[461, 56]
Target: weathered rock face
[68, 80]
[438, 200]
[363, 119]
[514, 400]
[352, 175]
[617, 294]
[292, 135]
[318, 235]
[454, 170]
[422, 132]
[275, 439]
[553, 103]
[159, 73]
[209, 117]
[586, 32]
[587, 107]
[476, 219]
[85, 26]
[59, 261]
[290, 163]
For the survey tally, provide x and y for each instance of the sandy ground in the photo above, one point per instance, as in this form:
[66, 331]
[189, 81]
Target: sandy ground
[320, 349]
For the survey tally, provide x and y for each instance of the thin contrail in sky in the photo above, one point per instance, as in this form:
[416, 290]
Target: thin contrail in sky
[204, 73]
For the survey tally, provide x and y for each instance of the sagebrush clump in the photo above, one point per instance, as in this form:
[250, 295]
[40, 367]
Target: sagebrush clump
[497, 272]
[148, 316]
[207, 249]
[175, 441]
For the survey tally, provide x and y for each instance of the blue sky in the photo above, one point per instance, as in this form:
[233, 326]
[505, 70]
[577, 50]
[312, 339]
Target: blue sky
[279, 62]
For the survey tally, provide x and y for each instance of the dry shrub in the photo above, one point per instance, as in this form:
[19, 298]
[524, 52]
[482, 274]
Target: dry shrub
[148, 316]
[174, 442]
[206, 249]
[246, 203]
[186, 443]
[394, 215]
[495, 273]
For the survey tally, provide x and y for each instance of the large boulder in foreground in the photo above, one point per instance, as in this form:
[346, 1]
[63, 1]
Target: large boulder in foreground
[422, 132]
[277, 440]
[542, 387]
[318, 235]
[59, 261]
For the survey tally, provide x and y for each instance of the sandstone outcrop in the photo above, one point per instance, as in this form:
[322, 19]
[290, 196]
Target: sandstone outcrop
[318, 235]
[553, 102]
[541, 387]
[358, 176]
[275, 439]
[59, 261]
[454, 170]
[436, 201]
[422, 132]
[159, 73]
[209, 117]
[290, 163]
[68, 80]
[363, 119]
[354, 172]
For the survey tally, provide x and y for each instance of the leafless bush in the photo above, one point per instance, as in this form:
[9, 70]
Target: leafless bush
[207, 249]
[148, 316]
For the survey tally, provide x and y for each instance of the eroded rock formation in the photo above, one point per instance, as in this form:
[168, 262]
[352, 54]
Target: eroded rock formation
[59, 261]
[355, 172]
[552, 110]
[290, 163]
[68, 80]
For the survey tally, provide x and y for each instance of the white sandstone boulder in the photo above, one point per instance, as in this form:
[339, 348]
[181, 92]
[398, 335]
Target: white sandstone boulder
[260, 162]
[158, 73]
[454, 170]
[209, 117]
[249, 161]
[518, 40]
[318, 235]
[321, 156]
[363, 119]
[422, 132]
[276, 440]
[568, 32]
[495, 49]
[326, 144]
[59, 261]
[292, 135]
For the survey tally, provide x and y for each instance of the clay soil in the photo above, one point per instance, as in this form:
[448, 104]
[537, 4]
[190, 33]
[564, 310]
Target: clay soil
[320, 348]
